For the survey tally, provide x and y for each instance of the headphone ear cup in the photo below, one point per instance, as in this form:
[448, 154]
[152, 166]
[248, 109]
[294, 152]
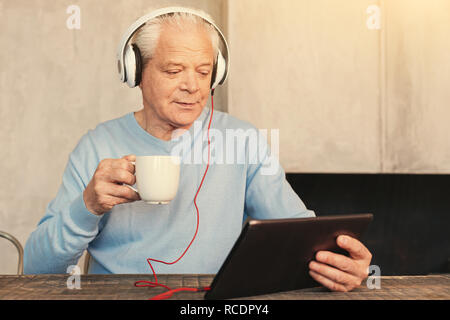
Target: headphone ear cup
[138, 59]
[219, 70]
[130, 66]
[133, 65]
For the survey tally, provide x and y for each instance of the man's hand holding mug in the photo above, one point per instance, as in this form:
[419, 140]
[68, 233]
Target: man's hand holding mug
[157, 179]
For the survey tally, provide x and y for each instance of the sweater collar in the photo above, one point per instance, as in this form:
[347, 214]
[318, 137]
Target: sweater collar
[143, 135]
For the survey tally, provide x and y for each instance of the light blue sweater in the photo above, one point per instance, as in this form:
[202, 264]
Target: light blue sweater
[122, 239]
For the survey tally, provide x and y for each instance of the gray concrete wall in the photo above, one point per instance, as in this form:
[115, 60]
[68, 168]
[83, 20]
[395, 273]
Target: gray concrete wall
[310, 69]
[416, 113]
[346, 98]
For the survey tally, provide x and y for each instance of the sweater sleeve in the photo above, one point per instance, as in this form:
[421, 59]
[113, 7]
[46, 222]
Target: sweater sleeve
[67, 227]
[268, 194]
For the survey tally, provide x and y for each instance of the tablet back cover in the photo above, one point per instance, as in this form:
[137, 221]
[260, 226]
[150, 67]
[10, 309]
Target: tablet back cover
[273, 255]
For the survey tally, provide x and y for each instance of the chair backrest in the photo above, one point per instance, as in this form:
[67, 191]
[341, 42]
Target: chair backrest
[87, 260]
[18, 247]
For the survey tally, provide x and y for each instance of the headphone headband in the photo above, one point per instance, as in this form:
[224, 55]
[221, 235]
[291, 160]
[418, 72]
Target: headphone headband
[152, 15]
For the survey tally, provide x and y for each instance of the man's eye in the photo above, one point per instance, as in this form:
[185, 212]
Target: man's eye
[172, 72]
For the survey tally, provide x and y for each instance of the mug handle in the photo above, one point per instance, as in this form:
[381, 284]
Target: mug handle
[132, 188]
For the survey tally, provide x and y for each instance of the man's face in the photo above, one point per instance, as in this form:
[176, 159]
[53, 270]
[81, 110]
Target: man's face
[176, 81]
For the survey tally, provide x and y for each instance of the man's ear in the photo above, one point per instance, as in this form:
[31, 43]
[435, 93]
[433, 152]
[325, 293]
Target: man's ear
[140, 82]
[141, 77]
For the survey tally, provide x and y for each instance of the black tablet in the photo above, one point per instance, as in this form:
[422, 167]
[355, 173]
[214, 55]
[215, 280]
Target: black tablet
[273, 255]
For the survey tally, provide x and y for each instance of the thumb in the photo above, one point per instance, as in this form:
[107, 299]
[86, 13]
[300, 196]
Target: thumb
[130, 157]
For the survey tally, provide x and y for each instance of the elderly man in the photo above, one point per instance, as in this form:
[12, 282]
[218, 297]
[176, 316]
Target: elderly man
[93, 210]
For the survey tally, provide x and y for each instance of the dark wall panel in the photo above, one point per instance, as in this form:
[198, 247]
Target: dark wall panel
[410, 233]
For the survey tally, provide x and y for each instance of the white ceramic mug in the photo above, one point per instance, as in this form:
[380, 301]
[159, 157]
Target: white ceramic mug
[157, 178]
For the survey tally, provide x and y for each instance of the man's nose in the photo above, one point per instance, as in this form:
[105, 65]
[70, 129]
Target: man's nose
[190, 82]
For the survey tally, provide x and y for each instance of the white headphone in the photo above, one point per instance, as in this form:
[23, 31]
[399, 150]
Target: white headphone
[129, 56]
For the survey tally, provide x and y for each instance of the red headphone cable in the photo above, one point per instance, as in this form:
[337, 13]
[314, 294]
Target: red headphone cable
[170, 292]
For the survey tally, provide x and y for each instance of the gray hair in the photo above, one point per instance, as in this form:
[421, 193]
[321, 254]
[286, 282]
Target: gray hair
[146, 38]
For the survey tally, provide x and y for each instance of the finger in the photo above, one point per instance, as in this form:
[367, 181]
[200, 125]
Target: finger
[123, 164]
[130, 157]
[123, 192]
[113, 201]
[333, 286]
[356, 249]
[335, 275]
[122, 176]
[338, 261]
